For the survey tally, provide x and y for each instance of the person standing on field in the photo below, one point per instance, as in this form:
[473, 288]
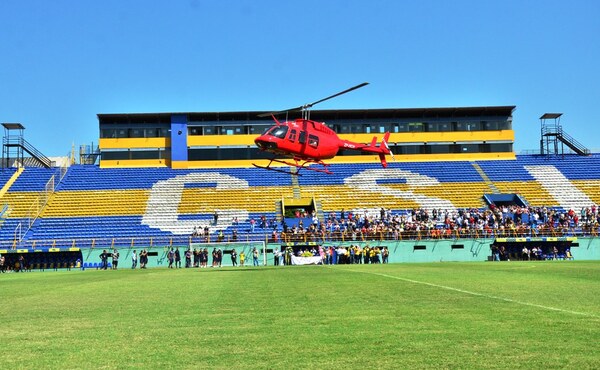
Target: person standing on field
[104, 260]
[177, 258]
[134, 260]
[188, 258]
[233, 258]
[171, 257]
[143, 258]
[115, 259]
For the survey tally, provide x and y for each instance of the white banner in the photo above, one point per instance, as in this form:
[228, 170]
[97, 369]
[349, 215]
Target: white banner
[306, 260]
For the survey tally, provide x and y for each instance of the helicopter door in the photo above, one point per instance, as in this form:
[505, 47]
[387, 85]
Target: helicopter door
[302, 137]
[292, 136]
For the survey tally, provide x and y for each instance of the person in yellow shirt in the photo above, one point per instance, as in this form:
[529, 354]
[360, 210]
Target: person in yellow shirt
[372, 255]
[568, 255]
[242, 258]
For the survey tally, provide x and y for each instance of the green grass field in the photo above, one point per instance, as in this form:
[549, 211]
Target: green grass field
[436, 315]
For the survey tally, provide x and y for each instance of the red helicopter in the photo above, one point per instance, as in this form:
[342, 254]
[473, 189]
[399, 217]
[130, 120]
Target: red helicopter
[308, 142]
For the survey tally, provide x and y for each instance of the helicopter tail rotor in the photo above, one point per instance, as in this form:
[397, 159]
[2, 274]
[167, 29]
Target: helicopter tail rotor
[384, 149]
[384, 142]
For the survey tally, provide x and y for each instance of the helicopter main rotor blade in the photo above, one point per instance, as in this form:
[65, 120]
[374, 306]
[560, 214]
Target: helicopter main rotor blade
[295, 109]
[334, 95]
[269, 114]
[306, 106]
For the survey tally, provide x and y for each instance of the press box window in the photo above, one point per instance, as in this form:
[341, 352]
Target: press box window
[469, 148]
[195, 131]
[108, 133]
[135, 132]
[112, 156]
[151, 132]
[145, 154]
[415, 127]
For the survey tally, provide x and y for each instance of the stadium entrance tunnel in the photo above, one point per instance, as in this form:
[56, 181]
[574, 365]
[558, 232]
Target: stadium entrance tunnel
[42, 258]
[296, 210]
[299, 247]
[500, 200]
[544, 248]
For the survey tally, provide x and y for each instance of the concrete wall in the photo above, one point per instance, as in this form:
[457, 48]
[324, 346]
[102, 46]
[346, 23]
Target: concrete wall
[400, 252]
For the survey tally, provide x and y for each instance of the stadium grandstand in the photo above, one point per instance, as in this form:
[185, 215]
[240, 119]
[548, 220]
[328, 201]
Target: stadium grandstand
[455, 192]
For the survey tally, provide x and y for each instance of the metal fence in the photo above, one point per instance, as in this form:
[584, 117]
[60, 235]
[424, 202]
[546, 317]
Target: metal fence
[319, 237]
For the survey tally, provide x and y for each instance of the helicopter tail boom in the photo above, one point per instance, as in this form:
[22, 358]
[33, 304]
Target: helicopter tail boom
[382, 150]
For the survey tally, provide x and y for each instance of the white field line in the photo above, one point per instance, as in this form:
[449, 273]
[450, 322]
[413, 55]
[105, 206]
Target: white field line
[549, 308]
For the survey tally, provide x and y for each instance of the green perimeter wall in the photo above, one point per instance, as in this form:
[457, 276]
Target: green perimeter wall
[400, 251]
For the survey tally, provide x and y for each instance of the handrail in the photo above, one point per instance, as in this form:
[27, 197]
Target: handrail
[570, 140]
[33, 151]
[20, 141]
[565, 138]
[91, 157]
[325, 238]
[38, 205]
[149, 241]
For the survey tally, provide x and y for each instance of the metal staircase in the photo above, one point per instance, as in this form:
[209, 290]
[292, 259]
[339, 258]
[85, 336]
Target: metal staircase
[30, 149]
[12, 141]
[554, 138]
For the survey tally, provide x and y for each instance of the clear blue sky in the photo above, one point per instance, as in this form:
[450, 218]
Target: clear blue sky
[62, 62]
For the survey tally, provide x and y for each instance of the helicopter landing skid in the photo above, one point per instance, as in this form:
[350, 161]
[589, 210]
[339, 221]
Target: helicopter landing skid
[297, 165]
[276, 169]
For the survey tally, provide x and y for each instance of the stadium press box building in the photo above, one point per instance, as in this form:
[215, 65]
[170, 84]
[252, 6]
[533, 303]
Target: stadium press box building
[198, 140]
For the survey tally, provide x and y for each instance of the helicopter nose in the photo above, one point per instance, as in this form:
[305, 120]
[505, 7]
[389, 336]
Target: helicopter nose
[259, 143]
[265, 144]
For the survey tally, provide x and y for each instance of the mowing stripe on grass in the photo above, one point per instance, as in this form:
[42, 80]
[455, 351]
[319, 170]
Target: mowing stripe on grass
[549, 308]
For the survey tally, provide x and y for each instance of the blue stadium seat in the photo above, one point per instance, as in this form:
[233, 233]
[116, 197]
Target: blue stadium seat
[102, 182]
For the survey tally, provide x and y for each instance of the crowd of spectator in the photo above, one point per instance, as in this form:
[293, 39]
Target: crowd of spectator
[504, 221]
[419, 223]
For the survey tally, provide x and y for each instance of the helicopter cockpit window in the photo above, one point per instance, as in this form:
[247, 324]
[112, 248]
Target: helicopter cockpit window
[278, 131]
[313, 140]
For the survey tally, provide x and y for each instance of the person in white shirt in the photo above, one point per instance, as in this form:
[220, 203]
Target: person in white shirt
[134, 259]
